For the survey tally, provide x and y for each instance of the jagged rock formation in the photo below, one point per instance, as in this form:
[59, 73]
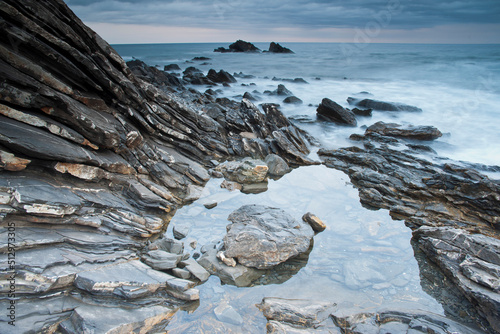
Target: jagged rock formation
[276, 48]
[453, 210]
[239, 46]
[94, 159]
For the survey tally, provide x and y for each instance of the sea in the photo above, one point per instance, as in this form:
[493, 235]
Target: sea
[364, 261]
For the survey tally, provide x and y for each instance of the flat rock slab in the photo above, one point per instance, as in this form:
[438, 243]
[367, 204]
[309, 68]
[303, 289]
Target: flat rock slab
[381, 105]
[409, 132]
[118, 280]
[262, 237]
[89, 318]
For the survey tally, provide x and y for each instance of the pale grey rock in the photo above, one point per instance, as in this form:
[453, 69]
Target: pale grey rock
[263, 237]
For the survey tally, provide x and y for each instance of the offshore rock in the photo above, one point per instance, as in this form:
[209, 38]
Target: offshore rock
[220, 77]
[381, 105]
[292, 100]
[262, 237]
[336, 113]
[276, 48]
[408, 132]
[239, 46]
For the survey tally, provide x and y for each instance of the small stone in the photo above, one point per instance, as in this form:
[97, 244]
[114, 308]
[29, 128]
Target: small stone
[277, 165]
[231, 186]
[193, 244]
[316, 223]
[226, 260]
[181, 273]
[210, 205]
[181, 231]
[226, 313]
[196, 269]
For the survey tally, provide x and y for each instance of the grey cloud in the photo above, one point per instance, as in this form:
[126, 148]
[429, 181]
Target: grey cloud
[239, 14]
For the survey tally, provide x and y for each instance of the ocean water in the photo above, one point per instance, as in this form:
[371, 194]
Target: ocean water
[364, 261]
[456, 86]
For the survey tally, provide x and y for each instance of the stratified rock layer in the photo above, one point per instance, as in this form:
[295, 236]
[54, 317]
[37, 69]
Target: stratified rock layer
[95, 157]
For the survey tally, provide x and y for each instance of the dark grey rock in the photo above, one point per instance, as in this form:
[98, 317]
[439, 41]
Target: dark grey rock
[381, 105]
[409, 132]
[292, 100]
[220, 77]
[336, 113]
[262, 237]
[195, 269]
[277, 166]
[239, 46]
[276, 48]
[172, 67]
[362, 112]
[161, 260]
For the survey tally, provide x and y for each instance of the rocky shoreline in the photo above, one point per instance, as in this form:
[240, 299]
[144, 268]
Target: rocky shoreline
[97, 154]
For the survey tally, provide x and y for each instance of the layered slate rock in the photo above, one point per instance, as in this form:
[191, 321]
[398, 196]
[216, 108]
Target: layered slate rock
[400, 322]
[334, 112]
[453, 209]
[95, 157]
[408, 132]
[473, 263]
[381, 105]
[297, 315]
[262, 237]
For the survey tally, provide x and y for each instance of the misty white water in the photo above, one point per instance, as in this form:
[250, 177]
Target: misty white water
[364, 260]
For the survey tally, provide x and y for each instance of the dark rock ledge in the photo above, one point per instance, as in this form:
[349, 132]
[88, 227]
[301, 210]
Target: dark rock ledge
[95, 157]
[453, 210]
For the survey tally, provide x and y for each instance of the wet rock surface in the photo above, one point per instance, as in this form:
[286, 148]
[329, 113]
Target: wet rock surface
[408, 132]
[262, 237]
[239, 46]
[381, 105]
[336, 113]
[452, 209]
[276, 48]
[95, 156]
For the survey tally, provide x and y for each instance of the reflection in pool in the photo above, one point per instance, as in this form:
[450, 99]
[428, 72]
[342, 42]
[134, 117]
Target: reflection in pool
[362, 262]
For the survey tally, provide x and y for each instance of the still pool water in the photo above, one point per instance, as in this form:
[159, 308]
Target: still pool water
[362, 262]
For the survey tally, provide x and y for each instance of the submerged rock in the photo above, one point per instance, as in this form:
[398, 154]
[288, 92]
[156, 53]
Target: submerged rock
[409, 132]
[381, 105]
[262, 237]
[336, 113]
[298, 314]
[292, 100]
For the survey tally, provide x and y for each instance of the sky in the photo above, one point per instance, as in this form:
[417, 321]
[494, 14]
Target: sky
[351, 21]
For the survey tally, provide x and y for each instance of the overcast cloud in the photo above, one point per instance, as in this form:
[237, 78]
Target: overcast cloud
[304, 19]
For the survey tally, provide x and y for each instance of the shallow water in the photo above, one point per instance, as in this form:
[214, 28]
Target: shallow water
[363, 261]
